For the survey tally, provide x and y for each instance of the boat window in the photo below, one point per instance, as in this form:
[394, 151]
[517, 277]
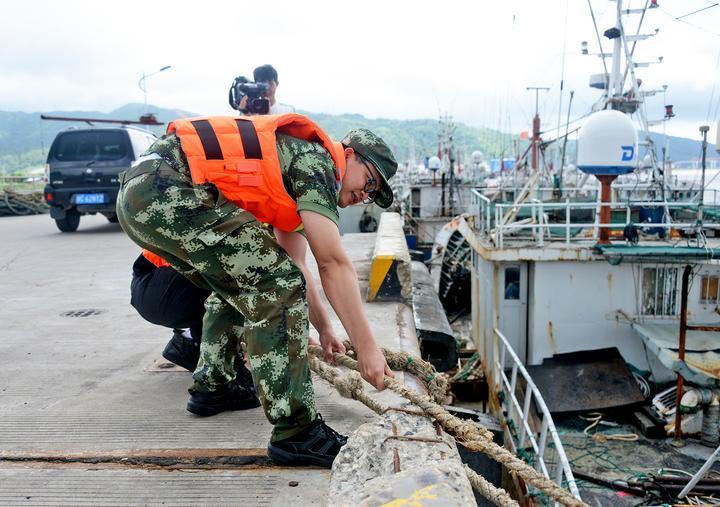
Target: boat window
[512, 282]
[709, 289]
[659, 291]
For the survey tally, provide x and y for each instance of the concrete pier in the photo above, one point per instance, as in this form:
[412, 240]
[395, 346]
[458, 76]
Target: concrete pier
[89, 415]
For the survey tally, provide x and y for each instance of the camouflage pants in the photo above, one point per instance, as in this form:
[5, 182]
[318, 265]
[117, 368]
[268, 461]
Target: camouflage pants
[256, 288]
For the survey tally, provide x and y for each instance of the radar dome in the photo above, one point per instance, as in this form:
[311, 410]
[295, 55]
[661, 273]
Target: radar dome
[607, 144]
[434, 163]
[478, 157]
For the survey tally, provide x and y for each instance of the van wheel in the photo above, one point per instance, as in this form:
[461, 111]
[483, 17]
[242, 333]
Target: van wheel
[112, 218]
[70, 222]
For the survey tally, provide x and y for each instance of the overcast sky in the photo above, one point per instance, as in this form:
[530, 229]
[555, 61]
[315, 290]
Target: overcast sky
[393, 59]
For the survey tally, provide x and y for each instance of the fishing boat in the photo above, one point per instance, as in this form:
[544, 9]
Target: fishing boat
[594, 298]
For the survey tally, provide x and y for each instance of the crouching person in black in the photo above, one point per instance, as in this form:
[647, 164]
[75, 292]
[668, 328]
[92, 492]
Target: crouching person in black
[164, 297]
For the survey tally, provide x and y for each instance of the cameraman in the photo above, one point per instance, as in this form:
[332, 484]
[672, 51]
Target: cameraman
[268, 75]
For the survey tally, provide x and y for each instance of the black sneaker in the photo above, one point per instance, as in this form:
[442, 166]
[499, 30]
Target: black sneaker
[232, 396]
[317, 445]
[182, 351]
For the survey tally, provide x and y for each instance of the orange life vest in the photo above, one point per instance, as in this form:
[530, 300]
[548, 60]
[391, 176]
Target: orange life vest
[239, 156]
[155, 259]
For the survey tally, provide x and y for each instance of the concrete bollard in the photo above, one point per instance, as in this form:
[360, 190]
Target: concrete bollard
[390, 264]
[402, 457]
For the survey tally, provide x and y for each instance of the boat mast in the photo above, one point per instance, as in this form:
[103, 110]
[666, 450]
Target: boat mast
[616, 79]
[536, 126]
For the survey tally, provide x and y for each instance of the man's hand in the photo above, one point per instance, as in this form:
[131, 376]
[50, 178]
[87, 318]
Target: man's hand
[331, 343]
[373, 367]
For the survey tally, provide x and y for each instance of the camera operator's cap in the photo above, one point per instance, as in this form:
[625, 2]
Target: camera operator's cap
[375, 150]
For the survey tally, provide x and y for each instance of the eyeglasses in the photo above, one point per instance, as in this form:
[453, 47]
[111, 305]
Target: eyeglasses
[371, 187]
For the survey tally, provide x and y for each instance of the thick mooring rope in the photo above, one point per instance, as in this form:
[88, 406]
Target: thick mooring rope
[437, 385]
[350, 386]
[472, 435]
[498, 496]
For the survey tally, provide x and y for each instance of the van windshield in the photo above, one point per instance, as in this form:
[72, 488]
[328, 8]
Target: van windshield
[89, 145]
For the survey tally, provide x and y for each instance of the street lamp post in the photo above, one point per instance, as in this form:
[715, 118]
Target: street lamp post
[141, 83]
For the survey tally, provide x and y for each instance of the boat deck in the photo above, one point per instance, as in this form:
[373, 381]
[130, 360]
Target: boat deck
[89, 412]
[616, 460]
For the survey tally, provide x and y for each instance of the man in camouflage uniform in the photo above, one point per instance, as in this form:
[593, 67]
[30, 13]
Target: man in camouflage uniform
[257, 280]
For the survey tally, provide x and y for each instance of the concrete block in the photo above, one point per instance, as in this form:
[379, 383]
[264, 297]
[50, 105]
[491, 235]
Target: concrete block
[399, 456]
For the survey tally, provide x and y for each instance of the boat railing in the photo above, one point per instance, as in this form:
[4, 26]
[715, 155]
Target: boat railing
[482, 210]
[525, 441]
[545, 221]
[620, 192]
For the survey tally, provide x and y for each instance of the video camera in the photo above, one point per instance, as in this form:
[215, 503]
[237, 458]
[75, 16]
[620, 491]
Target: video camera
[256, 103]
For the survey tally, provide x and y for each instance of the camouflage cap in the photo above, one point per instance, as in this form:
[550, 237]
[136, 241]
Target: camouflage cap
[374, 149]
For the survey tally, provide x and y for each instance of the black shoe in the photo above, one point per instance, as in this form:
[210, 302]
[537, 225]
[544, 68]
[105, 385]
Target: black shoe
[318, 444]
[232, 396]
[182, 351]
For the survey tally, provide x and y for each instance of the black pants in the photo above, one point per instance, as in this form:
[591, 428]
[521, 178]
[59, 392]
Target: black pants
[164, 297]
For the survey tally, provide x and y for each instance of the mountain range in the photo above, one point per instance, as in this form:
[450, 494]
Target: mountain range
[25, 138]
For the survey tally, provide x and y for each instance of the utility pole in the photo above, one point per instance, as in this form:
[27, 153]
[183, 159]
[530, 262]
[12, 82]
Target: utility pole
[704, 131]
[536, 125]
[564, 146]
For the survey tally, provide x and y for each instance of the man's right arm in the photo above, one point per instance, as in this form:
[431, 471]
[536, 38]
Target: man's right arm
[339, 280]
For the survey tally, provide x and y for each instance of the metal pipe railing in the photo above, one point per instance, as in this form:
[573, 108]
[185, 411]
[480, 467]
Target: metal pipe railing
[520, 415]
[539, 226]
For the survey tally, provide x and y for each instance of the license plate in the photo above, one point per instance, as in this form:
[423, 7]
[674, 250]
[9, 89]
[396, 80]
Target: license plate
[89, 198]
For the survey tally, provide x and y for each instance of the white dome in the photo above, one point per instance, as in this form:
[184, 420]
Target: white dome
[434, 163]
[607, 144]
[477, 157]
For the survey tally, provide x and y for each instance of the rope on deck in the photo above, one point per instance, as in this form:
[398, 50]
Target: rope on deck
[472, 435]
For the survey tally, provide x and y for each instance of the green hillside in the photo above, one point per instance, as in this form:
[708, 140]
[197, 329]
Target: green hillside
[25, 138]
[418, 137]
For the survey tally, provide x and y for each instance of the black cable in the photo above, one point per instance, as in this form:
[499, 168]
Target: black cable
[695, 12]
[716, 34]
